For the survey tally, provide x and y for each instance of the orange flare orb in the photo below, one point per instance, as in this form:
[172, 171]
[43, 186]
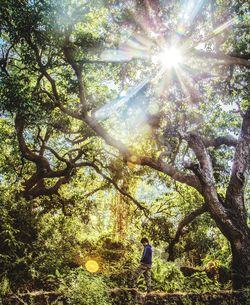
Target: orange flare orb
[92, 266]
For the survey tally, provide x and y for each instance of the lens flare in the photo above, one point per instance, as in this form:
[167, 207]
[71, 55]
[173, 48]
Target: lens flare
[92, 266]
[133, 158]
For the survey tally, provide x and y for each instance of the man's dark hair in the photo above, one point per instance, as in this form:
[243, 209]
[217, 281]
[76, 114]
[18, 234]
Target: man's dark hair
[144, 240]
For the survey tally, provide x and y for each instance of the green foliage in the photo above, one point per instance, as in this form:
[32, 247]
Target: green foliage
[4, 286]
[167, 276]
[199, 282]
[52, 51]
[246, 296]
[18, 232]
[157, 229]
[82, 288]
[117, 260]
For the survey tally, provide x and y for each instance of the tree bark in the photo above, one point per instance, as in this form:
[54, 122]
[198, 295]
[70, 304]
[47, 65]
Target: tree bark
[240, 244]
[241, 262]
[230, 215]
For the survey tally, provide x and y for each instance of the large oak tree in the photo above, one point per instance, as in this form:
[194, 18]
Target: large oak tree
[80, 76]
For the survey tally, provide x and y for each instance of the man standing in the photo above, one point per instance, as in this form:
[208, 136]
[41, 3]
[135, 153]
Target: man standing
[145, 265]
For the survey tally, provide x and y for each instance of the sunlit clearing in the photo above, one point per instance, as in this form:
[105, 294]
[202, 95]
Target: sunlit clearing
[169, 58]
[92, 266]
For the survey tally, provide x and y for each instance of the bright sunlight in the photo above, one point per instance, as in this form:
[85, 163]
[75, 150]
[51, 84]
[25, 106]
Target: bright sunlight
[169, 57]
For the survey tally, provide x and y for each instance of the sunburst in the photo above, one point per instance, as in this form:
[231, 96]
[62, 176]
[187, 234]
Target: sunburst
[175, 58]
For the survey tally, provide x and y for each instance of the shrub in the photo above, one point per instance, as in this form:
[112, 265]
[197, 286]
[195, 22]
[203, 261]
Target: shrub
[4, 286]
[200, 282]
[82, 288]
[166, 276]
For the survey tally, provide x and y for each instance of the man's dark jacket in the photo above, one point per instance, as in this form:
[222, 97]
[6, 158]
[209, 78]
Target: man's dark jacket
[147, 255]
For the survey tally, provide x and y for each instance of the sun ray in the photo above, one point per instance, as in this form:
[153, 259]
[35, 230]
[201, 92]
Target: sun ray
[190, 9]
[220, 29]
[107, 110]
[188, 86]
[171, 62]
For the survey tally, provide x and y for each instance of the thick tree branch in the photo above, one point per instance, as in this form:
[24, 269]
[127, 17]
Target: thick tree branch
[141, 160]
[43, 141]
[206, 169]
[100, 131]
[57, 155]
[39, 160]
[39, 190]
[219, 213]
[68, 50]
[187, 220]
[171, 171]
[217, 142]
[240, 168]
[227, 59]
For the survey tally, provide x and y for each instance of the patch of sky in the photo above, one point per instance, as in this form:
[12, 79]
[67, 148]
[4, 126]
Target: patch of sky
[112, 85]
[201, 46]
[4, 115]
[2, 41]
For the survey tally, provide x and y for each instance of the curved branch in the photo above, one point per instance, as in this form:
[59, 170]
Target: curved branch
[69, 55]
[43, 141]
[227, 59]
[196, 143]
[57, 155]
[39, 160]
[39, 190]
[187, 220]
[241, 166]
[218, 211]
[217, 142]
[100, 131]
[159, 165]
[171, 171]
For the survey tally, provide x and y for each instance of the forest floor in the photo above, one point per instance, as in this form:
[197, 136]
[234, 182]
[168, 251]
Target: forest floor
[123, 296]
[133, 296]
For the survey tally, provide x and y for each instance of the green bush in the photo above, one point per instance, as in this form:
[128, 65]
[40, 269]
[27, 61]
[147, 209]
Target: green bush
[166, 276]
[82, 288]
[18, 231]
[4, 286]
[199, 282]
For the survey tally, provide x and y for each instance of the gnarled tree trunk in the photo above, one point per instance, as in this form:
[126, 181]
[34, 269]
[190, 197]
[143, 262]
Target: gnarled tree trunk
[241, 262]
[229, 214]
